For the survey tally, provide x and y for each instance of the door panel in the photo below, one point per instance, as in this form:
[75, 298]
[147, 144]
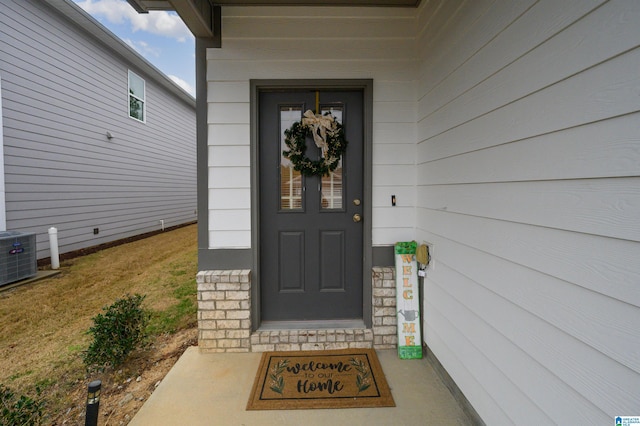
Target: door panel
[332, 273]
[291, 256]
[310, 246]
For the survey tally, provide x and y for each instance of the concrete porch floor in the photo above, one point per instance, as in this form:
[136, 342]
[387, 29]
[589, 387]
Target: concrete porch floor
[213, 389]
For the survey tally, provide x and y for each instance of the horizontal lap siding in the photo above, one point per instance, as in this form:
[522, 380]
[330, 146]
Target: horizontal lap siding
[62, 91]
[528, 173]
[312, 43]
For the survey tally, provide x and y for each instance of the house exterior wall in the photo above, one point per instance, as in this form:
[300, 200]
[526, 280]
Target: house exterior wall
[63, 90]
[528, 187]
[510, 130]
[311, 43]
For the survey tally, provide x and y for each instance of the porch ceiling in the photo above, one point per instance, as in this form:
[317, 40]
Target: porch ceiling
[201, 15]
[146, 5]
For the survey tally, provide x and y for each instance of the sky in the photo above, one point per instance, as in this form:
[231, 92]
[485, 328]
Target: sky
[160, 37]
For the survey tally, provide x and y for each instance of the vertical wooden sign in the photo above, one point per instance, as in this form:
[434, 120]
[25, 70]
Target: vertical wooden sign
[408, 301]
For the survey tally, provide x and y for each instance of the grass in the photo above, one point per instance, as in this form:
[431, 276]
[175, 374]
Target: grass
[43, 325]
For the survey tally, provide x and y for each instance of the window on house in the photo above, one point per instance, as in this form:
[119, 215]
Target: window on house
[136, 97]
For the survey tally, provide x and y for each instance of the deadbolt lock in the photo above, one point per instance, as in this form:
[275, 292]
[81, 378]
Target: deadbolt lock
[356, 201]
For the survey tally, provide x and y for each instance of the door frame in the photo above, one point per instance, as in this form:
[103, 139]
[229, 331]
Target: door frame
[366, 86]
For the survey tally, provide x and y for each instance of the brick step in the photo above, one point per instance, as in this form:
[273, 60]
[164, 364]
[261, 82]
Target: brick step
[224, 318]
[309, 340]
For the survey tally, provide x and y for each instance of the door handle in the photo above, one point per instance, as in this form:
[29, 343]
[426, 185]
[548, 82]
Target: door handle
[357, 218]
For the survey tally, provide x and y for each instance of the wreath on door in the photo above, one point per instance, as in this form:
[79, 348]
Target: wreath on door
[327, 134]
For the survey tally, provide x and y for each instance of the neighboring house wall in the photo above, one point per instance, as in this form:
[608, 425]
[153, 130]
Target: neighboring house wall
[63, 90]
[3, 213]
[528, 187]
[312, 43]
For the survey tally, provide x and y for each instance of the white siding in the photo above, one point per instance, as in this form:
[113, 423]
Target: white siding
[509, 130]
[62, 92]
[528, 173]
[306, 43]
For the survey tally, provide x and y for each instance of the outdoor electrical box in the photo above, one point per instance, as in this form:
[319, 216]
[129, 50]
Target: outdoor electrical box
[17, 256]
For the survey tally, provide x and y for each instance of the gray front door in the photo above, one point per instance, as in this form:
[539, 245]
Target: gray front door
[310, 237]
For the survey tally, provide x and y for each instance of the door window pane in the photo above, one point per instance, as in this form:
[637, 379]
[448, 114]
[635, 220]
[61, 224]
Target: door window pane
[290, 179]
[332, 196]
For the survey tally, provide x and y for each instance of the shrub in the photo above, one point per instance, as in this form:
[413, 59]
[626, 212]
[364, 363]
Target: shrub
[19, 410]
[117, 332]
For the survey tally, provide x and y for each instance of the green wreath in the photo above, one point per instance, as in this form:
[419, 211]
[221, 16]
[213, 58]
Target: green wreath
[328, 135]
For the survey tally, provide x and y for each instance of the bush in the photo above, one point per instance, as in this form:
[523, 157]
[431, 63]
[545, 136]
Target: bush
[117, 333]
[19, 410]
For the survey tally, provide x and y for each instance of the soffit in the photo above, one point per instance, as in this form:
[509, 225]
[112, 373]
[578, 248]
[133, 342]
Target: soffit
[147, 5]
[203, 16]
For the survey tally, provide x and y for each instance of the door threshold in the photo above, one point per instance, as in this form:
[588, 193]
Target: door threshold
[312, 325]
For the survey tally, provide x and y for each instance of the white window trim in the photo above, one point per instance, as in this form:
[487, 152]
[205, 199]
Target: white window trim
[144, 101]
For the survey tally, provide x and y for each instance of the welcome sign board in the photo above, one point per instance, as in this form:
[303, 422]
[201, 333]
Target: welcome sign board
[408, 301]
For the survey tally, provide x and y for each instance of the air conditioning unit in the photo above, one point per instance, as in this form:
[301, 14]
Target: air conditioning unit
[17, 256]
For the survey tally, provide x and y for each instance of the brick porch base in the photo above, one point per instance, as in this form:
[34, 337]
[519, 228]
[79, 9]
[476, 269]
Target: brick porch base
[224, 318]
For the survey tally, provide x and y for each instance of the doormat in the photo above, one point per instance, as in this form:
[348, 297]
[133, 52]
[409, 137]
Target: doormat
[346, 378]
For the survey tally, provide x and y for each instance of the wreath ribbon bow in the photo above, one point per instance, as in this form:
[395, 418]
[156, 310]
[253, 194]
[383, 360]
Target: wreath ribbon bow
[320, 125]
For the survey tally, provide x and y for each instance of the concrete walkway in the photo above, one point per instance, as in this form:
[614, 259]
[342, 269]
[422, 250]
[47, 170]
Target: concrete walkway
[40, 275]
[213, 389]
